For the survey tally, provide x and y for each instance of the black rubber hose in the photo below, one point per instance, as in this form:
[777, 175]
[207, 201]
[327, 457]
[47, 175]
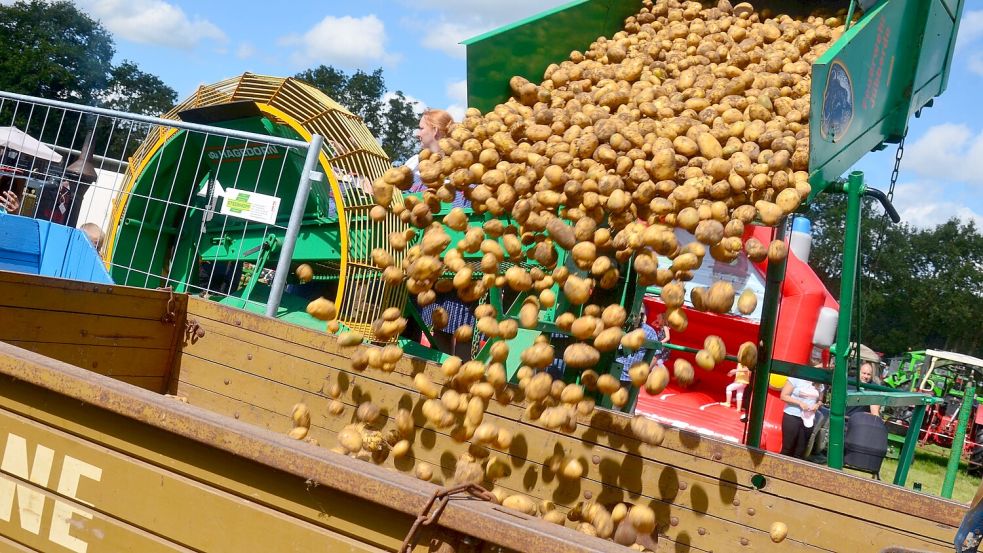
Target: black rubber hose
[886, 203]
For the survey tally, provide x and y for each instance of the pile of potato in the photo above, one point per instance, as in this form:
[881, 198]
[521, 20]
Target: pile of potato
[693, 117]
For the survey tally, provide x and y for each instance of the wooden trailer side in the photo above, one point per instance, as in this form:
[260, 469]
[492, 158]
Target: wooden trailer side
[96, 465]
[709, 495]
[127, 333]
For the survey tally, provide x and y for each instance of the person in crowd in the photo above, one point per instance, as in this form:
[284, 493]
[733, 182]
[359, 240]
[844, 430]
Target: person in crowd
[742, 377]
[94, 234]
[970, 532]
[802, 399]
[434, 125]
[867, 376]
[9, 201]
[657, 332]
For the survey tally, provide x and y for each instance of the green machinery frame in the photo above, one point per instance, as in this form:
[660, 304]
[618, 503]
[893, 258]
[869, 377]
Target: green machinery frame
[928, 361]
[891, 61]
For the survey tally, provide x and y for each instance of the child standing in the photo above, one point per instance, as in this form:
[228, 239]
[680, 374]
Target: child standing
[742, 377]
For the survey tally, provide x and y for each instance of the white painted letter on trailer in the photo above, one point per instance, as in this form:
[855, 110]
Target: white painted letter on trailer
[30, 503]
[72, 471]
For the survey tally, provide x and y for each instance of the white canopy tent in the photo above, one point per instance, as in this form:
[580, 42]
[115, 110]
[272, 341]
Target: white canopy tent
[13, 138]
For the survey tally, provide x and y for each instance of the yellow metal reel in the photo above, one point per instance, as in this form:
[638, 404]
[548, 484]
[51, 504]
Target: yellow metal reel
[351, 159]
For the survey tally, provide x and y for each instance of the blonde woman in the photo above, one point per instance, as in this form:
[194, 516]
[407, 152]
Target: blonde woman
[434, 125]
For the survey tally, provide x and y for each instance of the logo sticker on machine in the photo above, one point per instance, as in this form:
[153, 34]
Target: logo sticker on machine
[251, 206]
[837, 103]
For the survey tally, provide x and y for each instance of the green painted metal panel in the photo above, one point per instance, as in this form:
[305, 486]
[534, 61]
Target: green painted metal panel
[173, 178]
[529, 46]
[887, 66]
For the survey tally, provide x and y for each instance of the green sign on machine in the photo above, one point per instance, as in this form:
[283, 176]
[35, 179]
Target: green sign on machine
[886, 67]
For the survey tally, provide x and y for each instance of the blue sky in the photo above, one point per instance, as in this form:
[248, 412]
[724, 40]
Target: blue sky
[188, 43]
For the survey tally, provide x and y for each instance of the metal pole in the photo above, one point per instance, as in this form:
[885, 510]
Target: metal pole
[293, 228]
[854, 189]
[177, 123]
[910, 443]
[766, 339]
[969, 394]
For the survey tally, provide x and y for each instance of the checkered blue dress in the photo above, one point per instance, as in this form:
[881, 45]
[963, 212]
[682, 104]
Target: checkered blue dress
[458, 312]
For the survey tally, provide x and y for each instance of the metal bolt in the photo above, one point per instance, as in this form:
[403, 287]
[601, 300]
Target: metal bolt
[701, 531]
[588, 495]
[249, 356]
[750, 511]
[236, 414]
[673, 521]
[717, 456]
[238, 322]
[596, 460]
[737, 502]
[683, 485]
[745, 542]
[226, 381]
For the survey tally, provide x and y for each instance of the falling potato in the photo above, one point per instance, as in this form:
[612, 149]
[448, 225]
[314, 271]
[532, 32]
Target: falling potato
[304, 273]
[322, 309]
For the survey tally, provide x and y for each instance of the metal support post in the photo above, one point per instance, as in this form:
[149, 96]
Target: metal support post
[854, 188]
[910, 443]
[766, 341]
[293, 228]
[955, 453]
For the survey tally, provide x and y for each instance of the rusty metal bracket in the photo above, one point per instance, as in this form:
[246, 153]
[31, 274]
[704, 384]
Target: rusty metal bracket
[170, 315]
[442, 496]
[193, 330]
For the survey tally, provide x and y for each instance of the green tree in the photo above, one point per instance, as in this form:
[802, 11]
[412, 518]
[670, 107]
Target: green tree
[53, 50]
[134, 91]
[918, 288]
[391, 120]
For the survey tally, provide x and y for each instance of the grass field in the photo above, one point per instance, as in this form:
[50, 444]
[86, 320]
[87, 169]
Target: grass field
[928, 469]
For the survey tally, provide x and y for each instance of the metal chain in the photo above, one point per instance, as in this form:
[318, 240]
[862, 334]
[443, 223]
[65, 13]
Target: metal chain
[441, 497]
[169, 315]
[897, 166]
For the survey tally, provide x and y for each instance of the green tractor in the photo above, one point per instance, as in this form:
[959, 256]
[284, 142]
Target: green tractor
[949, 377]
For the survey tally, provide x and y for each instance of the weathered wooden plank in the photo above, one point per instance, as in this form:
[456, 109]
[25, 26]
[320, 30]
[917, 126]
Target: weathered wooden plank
[29, 325]
[286, 338]
[67, 525]
[106, 360]
[69, 296]
[184, 438]
[306, 370]
[692, 501]
[9, 546]
[441, 465]
[147, 488]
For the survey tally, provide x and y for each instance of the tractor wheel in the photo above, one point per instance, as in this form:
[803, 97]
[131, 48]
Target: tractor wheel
[976, 453]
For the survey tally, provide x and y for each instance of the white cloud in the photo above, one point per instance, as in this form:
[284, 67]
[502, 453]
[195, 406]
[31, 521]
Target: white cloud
[975, 62]
[496, 11]
[947, 152]
[457, 91]
[914, 203]
[343, 41]
[970, 28]
[245, 50]
[447, 37]
[457, 20]
[418, 105]
[152, 22]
